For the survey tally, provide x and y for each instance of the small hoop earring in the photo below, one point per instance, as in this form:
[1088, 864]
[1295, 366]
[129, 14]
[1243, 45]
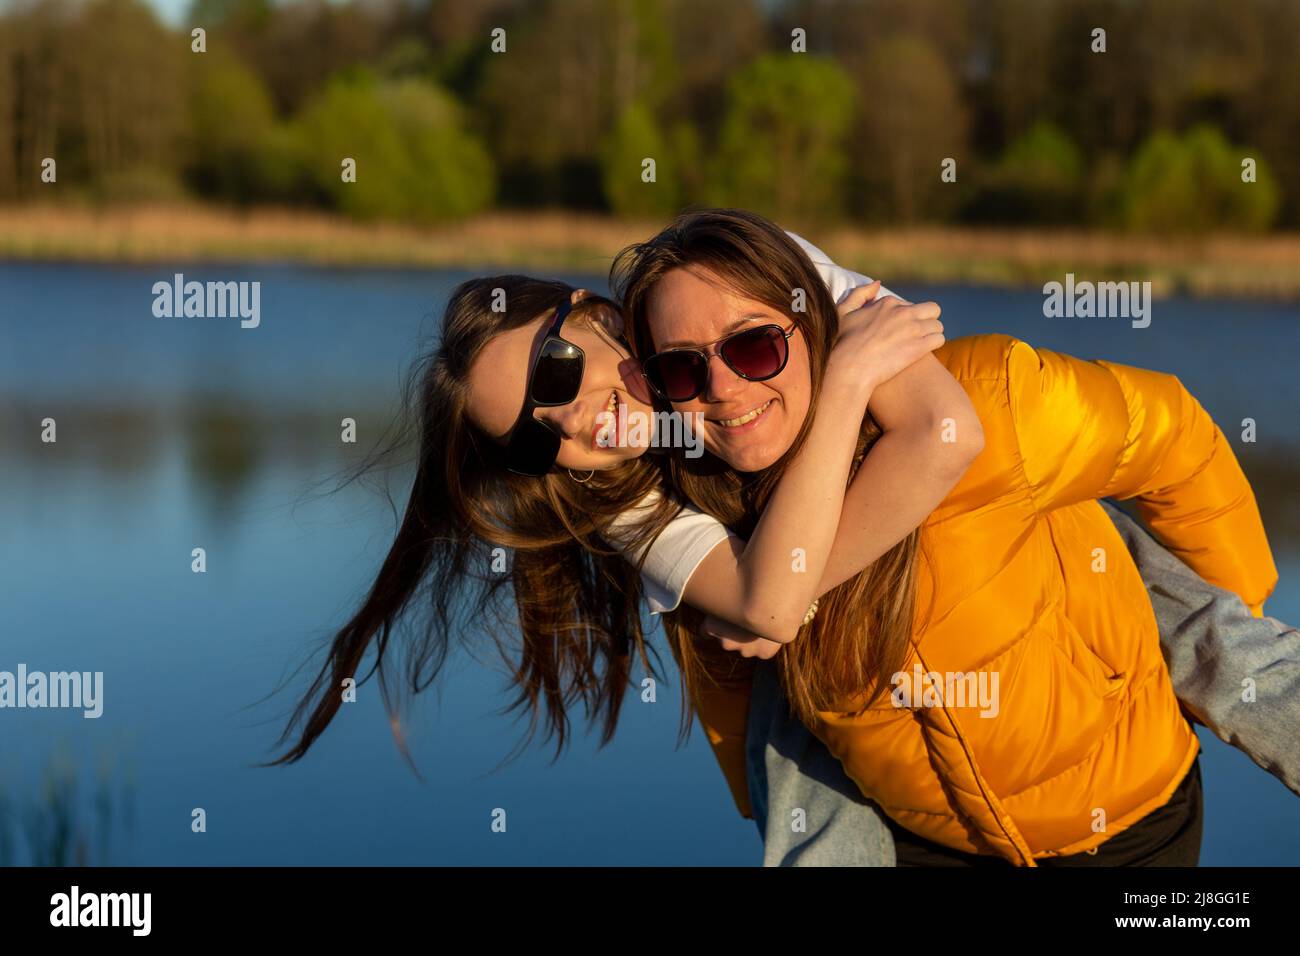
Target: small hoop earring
[581, 481]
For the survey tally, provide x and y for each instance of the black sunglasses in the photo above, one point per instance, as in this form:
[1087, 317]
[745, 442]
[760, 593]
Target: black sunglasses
[554, 379]
[757, 354]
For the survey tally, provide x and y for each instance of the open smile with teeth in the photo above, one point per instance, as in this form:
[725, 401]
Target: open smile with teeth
[746, 418]
[606, 423]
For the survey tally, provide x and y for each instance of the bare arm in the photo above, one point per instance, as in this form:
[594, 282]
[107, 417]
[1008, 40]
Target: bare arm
[931, 436]
[907, 473]
[759, 586]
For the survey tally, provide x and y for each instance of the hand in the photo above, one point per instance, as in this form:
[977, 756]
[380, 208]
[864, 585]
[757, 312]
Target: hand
[881, 337]
[739, 640]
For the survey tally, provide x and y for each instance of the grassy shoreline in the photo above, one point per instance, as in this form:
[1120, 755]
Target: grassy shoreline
[1253, 267]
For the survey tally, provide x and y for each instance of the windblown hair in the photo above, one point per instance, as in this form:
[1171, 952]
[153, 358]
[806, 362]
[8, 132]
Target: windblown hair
[576, 601]
[845, 658]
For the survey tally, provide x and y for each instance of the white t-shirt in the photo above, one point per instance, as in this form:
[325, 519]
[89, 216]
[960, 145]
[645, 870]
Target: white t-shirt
[687, 539]
[674, 555]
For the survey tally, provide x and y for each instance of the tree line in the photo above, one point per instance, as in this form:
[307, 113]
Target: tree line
[868, 111]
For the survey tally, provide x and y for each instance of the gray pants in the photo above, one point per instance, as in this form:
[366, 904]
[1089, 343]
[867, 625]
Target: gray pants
[1210, 641]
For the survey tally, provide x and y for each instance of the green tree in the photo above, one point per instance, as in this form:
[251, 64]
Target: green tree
[125, 82]
[635, 138]
[1039, 178]
[231, 126]
[414, 160]
[912, 118]
[571, 70]
[448, 171]
[1193, 183]
[781, 148]
[706, 56]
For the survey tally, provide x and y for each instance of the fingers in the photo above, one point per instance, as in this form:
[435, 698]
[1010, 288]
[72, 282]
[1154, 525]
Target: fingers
[926, 310]
[889, 335]
[734, 638]
[930, 334]
[740, 641]
[760, 647]
[927, 326]
[720, 628]
[859, 296]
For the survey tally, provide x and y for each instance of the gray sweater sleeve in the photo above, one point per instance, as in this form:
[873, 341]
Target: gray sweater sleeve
[1237, 674]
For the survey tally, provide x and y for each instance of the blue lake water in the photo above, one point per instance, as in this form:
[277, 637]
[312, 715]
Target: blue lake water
[95, 563]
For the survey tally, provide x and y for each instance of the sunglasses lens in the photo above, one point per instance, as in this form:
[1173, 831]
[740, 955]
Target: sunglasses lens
[678, 376]
[532, 449]
[558, 376]
[756, 354]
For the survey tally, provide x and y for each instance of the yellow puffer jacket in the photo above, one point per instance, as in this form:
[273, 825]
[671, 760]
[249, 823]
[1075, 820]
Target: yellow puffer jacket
[1031, 582]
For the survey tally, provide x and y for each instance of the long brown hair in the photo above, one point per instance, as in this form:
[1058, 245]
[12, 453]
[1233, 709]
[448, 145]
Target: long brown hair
[861, 633]
[575, 600]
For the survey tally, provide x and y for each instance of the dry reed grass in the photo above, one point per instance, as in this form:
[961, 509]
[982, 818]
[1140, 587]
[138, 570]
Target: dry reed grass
[1266, 266]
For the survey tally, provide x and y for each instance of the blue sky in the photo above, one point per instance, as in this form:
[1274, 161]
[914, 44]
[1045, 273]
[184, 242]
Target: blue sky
[170, 11]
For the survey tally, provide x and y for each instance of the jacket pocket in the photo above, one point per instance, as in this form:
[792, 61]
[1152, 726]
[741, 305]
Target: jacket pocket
[1105, 680]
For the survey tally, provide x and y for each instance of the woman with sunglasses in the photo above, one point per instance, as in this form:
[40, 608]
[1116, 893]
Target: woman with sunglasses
[1019, 574]
[511, 416]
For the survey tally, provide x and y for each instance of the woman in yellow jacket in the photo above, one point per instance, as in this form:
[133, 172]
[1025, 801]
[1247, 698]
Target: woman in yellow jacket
[995, 682]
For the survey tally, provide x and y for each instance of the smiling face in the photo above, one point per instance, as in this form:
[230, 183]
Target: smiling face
[749, 425]
[611, 382]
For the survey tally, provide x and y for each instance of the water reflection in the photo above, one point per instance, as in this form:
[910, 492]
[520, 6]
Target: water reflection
[228, 444]
[75, 815]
